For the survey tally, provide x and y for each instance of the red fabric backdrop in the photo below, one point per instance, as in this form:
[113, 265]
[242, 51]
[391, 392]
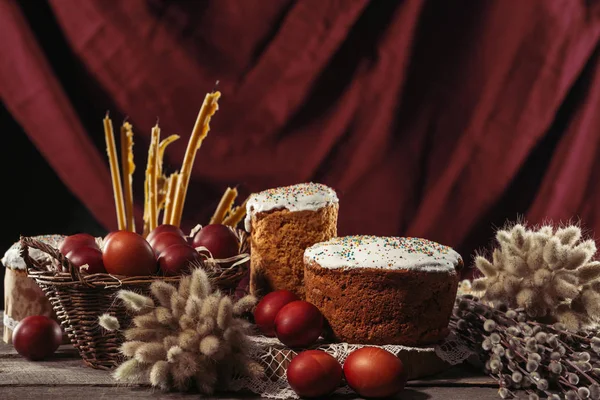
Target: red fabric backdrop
[432, 119]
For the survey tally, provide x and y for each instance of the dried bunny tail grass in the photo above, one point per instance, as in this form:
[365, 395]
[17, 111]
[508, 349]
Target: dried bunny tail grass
[128, 349]
[486, 267]
[145, 334]
[177, 305]
[189, 340]
[519, 234]
[148, 321]
[564, 289]
[193, 306]
[135, 302]
[245, 304]
[542, 268]
[479, 285]
[206, 326]
[131, 371]
[163, 292]
[568, 235]
[170, 341]
[516, 265]
[511, 285]
[200, 284]
[224, 313]
[210, 346]
[164, 316]
[551, 251]
[150, 353]
[184, 365]
[571, 319]
[591, 302]
[109, 322]
[589, 272]
[210, 307]
[504, 237]
[184, 286]
[159, 375]
[581, 254]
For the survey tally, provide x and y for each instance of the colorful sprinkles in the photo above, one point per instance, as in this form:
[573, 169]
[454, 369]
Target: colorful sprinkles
[383, 253]
[304, 196]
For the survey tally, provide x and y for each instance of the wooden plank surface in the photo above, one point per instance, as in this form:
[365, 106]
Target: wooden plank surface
[66, 377]
[94, 392]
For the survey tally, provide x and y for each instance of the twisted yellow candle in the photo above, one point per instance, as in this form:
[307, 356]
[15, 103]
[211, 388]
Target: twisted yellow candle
[209, 108]
[128, 168]
[224, 206]
[170, 197]
[236, 215]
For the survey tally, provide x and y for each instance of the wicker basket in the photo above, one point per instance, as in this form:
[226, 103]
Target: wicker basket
[79, 299]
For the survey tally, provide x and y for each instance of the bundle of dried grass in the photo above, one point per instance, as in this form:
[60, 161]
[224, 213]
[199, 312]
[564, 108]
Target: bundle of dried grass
[189, 338]
[547, 272]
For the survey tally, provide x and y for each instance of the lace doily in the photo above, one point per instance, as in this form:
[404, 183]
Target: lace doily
[275, 357]
[9, 322]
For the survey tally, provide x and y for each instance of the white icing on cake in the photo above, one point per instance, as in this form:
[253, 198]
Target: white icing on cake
[12, 258]
[301, 197]
[392, 253]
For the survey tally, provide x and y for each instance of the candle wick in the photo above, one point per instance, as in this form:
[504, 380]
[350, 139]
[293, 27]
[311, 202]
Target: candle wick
[107, 113]
[157, 120]
[216, 85]
[126, 119]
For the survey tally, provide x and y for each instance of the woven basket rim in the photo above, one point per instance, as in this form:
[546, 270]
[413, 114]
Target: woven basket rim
[39, 271]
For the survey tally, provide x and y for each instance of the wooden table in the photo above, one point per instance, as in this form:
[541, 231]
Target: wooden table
[66, 377]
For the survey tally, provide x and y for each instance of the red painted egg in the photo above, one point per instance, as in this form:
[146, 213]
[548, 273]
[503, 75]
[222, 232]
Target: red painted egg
[374, 372]
[219, 240]
[314, 373]
[164, 240]
[176, 259]
[72, 242]
[298, 324]
[91, 256]
[37, 337]
[164, 228]
[129, 254]
[268, 307]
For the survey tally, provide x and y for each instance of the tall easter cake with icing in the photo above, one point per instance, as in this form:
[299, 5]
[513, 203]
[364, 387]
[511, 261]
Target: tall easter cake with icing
[383, 290]
[282, 223]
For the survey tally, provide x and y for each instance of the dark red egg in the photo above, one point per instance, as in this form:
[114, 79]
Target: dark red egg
[314, 373]
[37, 337]
[109, 235]
[91, 256]
[164, 240]
[164, 228]
[129, 254]
[176, 259]
[298, 324]
[268, 307]
[219, 240]
[72, 242]
[374, 372]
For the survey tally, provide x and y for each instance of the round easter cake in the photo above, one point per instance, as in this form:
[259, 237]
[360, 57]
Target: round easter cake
[383, 290]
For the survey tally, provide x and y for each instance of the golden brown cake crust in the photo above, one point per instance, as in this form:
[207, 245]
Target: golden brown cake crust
[278, 240]
[375, 306]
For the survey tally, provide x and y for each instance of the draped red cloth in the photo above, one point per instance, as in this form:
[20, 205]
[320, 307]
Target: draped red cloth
[431, 119]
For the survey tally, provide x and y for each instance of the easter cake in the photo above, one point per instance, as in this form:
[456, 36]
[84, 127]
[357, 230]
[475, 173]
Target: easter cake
[282, 223]
[22, 296]
[383, 290]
